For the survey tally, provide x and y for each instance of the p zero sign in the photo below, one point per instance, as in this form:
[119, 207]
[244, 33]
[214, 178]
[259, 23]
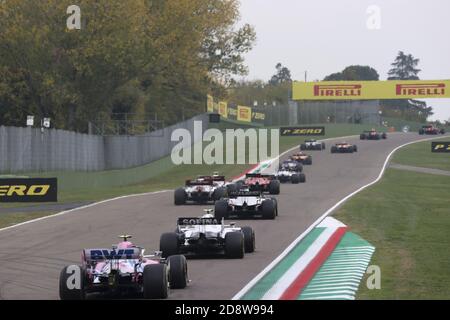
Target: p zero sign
[29, 190]
[302, 131]
[440, 147]
[371, 90]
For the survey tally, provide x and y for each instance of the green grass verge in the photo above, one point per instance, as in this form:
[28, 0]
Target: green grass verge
[9, 219]
[406, 217]
[420, 155]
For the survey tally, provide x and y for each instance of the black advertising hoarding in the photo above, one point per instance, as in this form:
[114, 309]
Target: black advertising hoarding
[29, 190]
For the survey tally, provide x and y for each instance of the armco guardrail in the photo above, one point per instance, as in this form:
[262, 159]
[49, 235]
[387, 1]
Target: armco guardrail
[30, 150]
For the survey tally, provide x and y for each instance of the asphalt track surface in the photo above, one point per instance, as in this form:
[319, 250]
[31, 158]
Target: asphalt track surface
[32, 255]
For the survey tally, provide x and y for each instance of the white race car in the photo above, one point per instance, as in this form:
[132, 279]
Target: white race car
[208, 235]
[312, 144]
[201, 190]
[245, 203]
[291, 171]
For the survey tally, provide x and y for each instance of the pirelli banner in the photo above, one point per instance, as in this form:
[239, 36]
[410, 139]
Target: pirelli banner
[371, 90]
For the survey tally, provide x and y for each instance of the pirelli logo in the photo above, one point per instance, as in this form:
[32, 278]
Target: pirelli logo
[302, 131]
[430, 89]
[344, 90]
[440, 147]
[29, 190]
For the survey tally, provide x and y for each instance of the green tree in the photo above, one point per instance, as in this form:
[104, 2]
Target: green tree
[354, 73]
[405, 68]
[282, 75]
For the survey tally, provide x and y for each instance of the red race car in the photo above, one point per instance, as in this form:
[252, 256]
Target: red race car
[430, 129]
[262, 182]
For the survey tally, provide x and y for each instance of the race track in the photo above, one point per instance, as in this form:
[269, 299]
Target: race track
[32, 255]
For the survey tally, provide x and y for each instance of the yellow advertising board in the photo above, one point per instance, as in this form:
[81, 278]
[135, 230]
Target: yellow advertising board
[223, 109]
[244, 114]
[371, 90]
[209, 103]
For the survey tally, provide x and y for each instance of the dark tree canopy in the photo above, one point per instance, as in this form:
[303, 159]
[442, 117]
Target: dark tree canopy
[282, 75]
[354, 73]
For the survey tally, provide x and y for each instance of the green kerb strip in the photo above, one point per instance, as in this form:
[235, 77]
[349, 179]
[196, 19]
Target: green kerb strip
[347, 274]
[263, 285]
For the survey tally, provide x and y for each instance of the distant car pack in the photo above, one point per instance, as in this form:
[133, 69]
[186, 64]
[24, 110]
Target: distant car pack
[430, 129]
[373, 135]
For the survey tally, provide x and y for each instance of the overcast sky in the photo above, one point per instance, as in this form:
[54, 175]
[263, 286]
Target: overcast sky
[325, 36]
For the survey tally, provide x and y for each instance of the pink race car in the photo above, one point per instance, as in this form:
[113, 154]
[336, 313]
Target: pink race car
[124, 268]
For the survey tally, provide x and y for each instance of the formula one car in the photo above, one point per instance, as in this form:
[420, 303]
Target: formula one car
[312, 144]
[261, 182]
[201, 190]
[208, 235]
[372, 135]
[246, 203]
[430, 129]
[290, 171]
[302, 158]
[344, 147]
[123, 269]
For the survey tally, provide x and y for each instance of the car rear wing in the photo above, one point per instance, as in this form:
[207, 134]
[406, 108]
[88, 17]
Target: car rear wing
[208, 182]
[90, 256]
[187, 221]
[259, 175]
[244, 194]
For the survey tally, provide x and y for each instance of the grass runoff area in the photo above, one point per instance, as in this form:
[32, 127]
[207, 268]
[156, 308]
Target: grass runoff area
[406, 217]
[83, 187]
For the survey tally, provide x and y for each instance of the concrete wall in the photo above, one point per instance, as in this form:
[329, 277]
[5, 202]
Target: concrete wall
[30, 150]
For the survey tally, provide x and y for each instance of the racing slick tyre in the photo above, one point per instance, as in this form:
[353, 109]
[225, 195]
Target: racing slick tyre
[274, 187]
[333, 149]
[442, 131]
[308, 161]
[302, 178]
[66, 293]
[234, 245]
[178, 276]
[323, 145]
[249, 239]
[231, 188]
[318, 147]
[384, 136]
[362, 137]
[303, 146]
[421, 131]
[299, 167]
[155, 281]
[218, 194]
[168, 244]
[355, 148]
[221, 210]
[268, 208]
[180, 197]
[295, 178]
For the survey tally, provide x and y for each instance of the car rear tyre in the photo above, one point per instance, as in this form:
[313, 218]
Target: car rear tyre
[274, 187]
[362, 137]
[180, 197]
[234, 245]
[249, 239]
[66, 278]
[155, 282]
[302, 146]
[168, 244]
[221, 210]
[302, 178]
[218, 193]
[268, 208]
[178, 276]
[295, 178]
[333, 149]
[355, 148]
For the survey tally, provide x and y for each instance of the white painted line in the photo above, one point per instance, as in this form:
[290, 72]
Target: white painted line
[81, 208]
[327, 285]
[331, 281]
[322, 293]
[329, 289]
[258, 277]
[343, 269]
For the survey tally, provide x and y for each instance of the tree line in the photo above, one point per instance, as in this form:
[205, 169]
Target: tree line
[140, 57]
